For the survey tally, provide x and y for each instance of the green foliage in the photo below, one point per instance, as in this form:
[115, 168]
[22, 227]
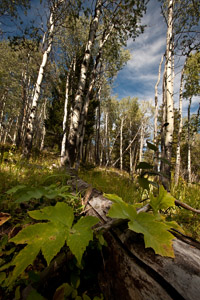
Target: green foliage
[24, 193]
[67, 291]
[164, 200]
[113, 182]
[155, 229]
[50, 237]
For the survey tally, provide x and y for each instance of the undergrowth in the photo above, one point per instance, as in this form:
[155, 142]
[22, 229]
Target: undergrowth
[112, 181]
[34, 195]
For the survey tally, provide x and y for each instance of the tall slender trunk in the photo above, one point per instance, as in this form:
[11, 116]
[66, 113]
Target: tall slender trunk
[156, 114]
[189, 143]
[2, 115]
[178, 149]
[130, 154]
[141, 142]
[72, 137]
[7, 129]
[15, 131]
[30, 126]
[63, 144]
[128, 147]
[43, 133]
[169, 98]
[106, 138]
[121, 143]
[97, 140]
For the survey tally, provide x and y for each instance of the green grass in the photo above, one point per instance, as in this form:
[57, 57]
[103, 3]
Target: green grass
[190, 222]
[112, 181]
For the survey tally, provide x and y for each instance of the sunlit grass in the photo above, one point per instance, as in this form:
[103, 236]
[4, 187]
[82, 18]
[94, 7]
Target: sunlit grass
[112, 181]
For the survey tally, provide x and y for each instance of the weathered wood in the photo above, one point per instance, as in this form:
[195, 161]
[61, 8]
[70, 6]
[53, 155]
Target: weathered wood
[133, 272]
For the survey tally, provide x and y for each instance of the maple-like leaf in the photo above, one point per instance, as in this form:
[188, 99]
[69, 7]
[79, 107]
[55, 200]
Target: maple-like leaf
[80, 235]
[164, 200]
[50, 237]
[156, 234]
[122, 210]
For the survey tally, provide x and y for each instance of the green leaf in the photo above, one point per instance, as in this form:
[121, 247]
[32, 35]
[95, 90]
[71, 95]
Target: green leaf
[122, 210]
[155, 233]
[2, 277]
[86, 297]
[143, 182]
[51, 236]
[164, 200]
[15, 189]
[165, 160]
[63, 291]
[113, 198]
[144, 165]
[80, 235]
[152, 146]
[33, 295]
[60, 213]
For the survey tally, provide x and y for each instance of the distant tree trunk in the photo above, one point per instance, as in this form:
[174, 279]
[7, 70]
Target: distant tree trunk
[121, 143]
[178, 149]
[189, 142]
[72, 137]
[141, 141]
[3, 102]
[169, 98]
[43, 133]
[156, 115]
[97, 140]
[128, 147]
[30, 126]
[7, 129]
[106, 138]
[15, 131]
[63, 144]
[130, 154]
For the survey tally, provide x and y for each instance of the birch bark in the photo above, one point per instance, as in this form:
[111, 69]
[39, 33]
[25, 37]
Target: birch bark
[30, 126]
[178, 149]
[189, 143]
[72, 137]
[169, 97]
[121, 143]
[63, 144]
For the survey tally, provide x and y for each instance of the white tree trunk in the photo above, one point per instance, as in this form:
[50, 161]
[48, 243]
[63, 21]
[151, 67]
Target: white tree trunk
[106, 137]
[7, 130]
[43, 133]
[15, 131]
[178, 149]
[2, 115]
[169, 96]
[121, 143]
[63, 144]
[29, 133]
[189, 143]
[71, 146]
[141, 142]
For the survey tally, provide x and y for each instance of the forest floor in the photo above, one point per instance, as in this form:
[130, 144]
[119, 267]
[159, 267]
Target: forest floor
[33, 185]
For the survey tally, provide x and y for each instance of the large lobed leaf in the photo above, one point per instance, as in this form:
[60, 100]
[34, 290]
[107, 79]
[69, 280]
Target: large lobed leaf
[164, 200]
[50, 237]
[154, 229]
[156, 234]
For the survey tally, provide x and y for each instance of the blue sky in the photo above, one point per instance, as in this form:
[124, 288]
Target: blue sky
[139, 76]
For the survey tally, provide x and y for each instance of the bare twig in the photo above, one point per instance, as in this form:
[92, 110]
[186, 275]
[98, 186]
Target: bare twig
[186, 206]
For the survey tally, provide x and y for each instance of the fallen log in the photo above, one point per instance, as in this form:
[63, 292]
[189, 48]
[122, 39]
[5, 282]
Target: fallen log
[132, 271]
